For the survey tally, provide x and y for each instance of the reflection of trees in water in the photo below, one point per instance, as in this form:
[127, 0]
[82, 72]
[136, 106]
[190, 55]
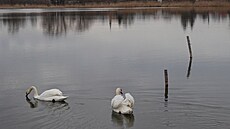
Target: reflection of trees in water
[149, 14]
[60, 23]
[33, 20]
[205, 17]
[229, 17]
[219, 16]
[188, 17]
[125, 19]
[13, 22]
[54, 23]
[82, 23]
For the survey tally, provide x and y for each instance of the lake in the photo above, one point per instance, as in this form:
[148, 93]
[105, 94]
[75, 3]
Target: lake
[88, 53]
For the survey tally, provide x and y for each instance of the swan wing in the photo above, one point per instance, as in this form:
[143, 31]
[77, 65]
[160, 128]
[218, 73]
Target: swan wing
[116, 101]
[54, 98]
[129, 100]
[51, 93]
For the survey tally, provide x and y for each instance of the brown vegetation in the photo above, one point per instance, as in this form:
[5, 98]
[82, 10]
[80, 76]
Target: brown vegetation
[200, 3]
[129, 4]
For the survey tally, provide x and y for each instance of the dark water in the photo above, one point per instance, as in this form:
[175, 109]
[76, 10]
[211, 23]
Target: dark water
[87, 53]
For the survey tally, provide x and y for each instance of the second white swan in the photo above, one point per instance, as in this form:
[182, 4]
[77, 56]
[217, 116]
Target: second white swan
[122, 105]
[52, 95]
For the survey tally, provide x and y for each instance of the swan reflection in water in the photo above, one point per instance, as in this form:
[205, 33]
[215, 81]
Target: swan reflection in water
[124, 121]
[33, 104]
[54, 106]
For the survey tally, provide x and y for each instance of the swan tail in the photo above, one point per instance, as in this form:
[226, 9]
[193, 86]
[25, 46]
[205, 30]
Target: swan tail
[123, 110]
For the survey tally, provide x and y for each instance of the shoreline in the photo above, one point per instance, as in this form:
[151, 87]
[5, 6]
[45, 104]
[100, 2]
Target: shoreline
[131, 4]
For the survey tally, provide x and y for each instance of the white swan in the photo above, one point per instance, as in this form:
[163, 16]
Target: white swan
[48, 95]
[122, 105]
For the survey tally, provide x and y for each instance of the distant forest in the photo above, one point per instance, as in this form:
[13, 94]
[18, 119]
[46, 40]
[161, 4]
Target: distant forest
[72, 2]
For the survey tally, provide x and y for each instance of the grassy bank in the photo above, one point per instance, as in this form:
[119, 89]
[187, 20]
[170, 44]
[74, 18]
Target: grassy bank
[130, 4]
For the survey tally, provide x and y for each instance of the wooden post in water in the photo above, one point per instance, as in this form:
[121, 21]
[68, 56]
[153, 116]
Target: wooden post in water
[166, 84]
[189, 47]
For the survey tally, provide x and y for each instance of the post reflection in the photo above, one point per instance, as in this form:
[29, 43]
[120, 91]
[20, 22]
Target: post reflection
[124, 121]
[189, 67]
[60, 23]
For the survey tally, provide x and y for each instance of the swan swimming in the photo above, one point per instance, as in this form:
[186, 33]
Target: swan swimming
[122, 105]
[48, 95]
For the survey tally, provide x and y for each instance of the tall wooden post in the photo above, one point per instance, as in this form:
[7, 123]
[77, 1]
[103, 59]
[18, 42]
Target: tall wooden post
[166, 83]
[189, 47]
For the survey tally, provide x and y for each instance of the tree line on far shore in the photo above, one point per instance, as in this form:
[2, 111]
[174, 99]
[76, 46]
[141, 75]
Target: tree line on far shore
[72, 2]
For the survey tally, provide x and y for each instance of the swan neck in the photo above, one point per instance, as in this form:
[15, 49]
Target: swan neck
[35, 91]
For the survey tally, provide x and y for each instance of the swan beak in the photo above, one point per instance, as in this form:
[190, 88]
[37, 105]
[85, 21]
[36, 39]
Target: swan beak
[121, 92]
[27, 98]
[27, 94]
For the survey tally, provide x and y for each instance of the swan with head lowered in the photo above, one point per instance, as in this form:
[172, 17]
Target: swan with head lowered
[52, 95]
[122, 105]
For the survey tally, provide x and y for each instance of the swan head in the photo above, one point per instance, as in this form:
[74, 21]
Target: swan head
[119, 91]
[29, 90]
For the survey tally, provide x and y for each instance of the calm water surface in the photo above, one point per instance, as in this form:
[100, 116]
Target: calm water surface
[87, 53]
